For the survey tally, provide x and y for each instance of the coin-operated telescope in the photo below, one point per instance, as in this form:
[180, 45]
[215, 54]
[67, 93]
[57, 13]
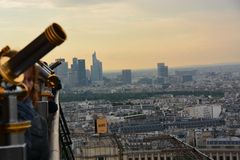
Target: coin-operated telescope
[49, 83]
[12, 66]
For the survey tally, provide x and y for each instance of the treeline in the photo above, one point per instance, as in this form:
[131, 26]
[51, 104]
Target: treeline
[117, 97]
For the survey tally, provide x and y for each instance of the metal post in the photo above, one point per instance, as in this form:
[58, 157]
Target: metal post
[12, 144]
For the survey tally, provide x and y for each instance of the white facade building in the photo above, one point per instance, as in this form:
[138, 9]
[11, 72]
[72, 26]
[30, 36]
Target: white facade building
[204, 111]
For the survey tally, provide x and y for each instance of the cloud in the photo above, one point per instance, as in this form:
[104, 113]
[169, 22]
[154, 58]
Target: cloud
[52, 3]
[159, 7]
[82, 2]
[8, 4]
[176, 7]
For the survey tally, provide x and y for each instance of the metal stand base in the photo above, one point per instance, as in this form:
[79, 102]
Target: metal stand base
[13, 152]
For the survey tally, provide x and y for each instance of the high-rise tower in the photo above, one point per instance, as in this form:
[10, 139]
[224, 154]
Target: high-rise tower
[62, 71]
[82, 72]
[162, 70]
[74, 72]
[126, 76]
[96, 69]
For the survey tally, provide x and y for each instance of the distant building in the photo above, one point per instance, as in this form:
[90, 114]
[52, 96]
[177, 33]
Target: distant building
[152, 126]
[162, 70]
[74, 73]
[96, 69]
[82, 77]
[62, 71]
[186, 76]
[74, 65]
[189, 72]
[88, 75]
[137, 147]
[204, 111]
[222, 148]
[126, 76]
[77, 74]
[234, 142]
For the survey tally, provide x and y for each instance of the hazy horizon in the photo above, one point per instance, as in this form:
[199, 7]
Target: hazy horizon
[133, 34]
[187, 67]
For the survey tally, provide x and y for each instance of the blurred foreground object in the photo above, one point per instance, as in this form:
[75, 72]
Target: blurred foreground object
[12, 145]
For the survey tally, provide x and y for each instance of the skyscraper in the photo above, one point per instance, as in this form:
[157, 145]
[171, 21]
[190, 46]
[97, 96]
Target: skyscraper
[88, 75]
[82, 72]
[162, 70]
[126, 76]
[74, 72]
[74, 65]
[96, 69]
[62, 71]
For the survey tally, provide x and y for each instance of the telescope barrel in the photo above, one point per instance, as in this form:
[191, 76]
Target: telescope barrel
[39, 47]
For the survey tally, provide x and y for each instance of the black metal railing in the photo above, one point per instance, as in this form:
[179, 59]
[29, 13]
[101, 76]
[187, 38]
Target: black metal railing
[65, 139]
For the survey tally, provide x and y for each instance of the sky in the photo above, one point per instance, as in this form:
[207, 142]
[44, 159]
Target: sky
[129, 34]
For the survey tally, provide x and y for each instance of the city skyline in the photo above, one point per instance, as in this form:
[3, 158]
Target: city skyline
[153, 67]
[134, 34]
